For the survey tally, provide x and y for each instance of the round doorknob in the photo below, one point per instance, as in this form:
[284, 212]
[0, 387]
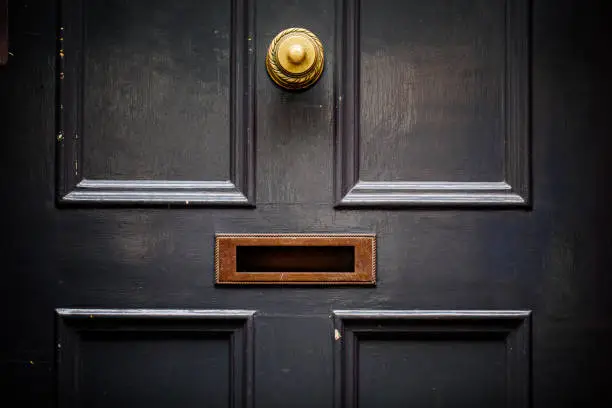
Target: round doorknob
[295, 59]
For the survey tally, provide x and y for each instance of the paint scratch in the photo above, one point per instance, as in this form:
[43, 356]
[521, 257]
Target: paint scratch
[337, 335]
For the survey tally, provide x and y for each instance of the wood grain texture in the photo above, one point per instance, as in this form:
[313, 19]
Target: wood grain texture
[161, 114]
[431, 104]
[157, 90]
[289, 122]
[364, 272]
[3, 32]
[413, 339]
[432, 116]
[89, 340]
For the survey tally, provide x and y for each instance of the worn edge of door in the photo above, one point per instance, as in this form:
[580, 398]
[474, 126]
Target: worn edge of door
[514, 191]
[4, 32]
[73, 189]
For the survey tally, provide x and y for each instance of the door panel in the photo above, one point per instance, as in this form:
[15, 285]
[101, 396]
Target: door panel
[177, 162]
[451, 80]
[421, 358]
[125, 358]
[156, 90]
[432, 80]
[136, 81]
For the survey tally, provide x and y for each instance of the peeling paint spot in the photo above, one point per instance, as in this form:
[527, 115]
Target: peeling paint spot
[60, 136]
[337, 335]
[61, 75]
[61, 53]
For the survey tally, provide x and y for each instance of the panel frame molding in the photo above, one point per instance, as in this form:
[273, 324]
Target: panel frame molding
[513, 191]
[514, 325]
[72, 323]
[71, 185]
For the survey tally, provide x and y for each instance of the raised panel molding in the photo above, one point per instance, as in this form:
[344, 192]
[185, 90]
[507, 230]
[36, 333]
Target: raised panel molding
[73, 188]
[351, 191]
[73, 324]
[512, 327]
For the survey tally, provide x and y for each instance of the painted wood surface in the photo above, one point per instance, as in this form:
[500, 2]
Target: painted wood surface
[551, 257]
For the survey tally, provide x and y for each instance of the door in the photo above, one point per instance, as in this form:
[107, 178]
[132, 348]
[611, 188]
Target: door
[468, 137]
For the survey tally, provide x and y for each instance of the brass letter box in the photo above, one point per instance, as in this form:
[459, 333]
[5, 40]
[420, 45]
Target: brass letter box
[326, 259]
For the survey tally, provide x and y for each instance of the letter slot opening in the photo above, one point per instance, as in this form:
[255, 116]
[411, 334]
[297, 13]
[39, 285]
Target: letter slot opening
[295, 258]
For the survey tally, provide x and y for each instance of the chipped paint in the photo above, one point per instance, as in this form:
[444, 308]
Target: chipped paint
[337, 335]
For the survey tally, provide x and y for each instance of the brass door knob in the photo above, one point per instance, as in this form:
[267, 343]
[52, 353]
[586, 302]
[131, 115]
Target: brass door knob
[295, 59]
